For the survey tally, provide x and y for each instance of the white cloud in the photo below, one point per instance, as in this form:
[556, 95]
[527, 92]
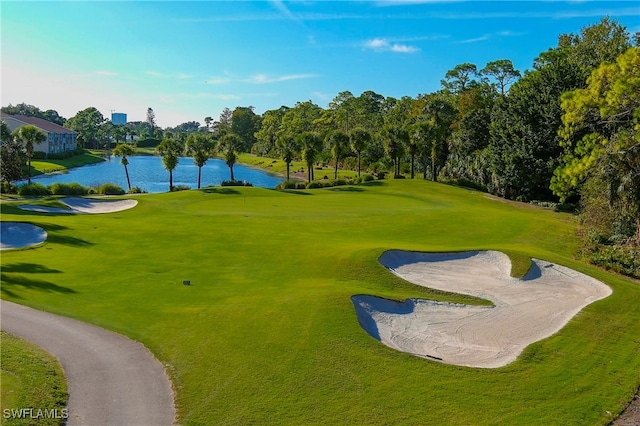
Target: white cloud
[384, 45]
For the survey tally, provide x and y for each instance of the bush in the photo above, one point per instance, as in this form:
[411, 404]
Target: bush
[235, 183]
[180, 188]
[136, 190]
[36, 189]
[110, 189]
[68, 189]
[148, 143]
[314, 185]
[622, 259]
[39, 155]
[8, 188]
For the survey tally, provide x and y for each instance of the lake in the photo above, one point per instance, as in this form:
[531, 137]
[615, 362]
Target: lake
[147, 173]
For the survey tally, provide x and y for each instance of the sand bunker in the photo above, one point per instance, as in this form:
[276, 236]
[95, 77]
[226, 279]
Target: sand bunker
[17, 235]
[84, 205]
[526, 310]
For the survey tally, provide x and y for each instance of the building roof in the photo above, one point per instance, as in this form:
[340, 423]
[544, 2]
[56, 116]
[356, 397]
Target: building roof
[40, 123]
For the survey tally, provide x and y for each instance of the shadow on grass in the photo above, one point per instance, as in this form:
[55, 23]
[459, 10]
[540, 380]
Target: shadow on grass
[347, 189]
[30, 268]
[12, 282]
[373, 183]
[223, 191]
[294, 191]
[68, 241]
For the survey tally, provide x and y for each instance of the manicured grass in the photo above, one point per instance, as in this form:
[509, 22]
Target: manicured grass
[279, 167]
[267, 332]
[50, 166]
[31, 378]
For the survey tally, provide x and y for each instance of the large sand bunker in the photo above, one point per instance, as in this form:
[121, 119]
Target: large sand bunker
[17, 235]
[84, 205]
[526, 310]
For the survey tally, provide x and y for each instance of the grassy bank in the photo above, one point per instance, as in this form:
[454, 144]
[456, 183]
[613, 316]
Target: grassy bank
[266, 333]
[39, 167]
[31, 378]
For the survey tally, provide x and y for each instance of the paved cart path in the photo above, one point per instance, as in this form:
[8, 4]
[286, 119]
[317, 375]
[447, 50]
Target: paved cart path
[111, 379]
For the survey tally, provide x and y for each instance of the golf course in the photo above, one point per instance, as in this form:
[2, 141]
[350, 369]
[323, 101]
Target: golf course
[266, 331]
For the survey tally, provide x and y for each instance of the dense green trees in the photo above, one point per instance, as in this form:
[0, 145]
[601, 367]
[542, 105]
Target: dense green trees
[87, 123]
[601, 140]
[12, 156]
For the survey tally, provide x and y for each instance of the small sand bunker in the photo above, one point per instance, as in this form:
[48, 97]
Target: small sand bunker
[526, 310]
[84, 205]
[19, 235]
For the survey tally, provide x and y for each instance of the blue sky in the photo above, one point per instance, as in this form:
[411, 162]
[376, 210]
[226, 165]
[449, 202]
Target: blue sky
[189, 60]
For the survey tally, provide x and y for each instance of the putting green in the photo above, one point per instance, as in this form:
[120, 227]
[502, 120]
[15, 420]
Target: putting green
[267, 332]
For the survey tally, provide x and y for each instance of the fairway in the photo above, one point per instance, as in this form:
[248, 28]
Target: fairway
[267, 333]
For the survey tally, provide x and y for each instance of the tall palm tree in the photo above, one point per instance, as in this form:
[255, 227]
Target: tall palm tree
[200, 147]
[123, 150]
[230, 145]
[30, 136]
[287, 147]
[169, 150]
[339, 143]
[360, 138]
[311, 144]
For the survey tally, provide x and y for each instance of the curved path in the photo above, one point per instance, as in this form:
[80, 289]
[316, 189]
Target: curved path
[111, 379]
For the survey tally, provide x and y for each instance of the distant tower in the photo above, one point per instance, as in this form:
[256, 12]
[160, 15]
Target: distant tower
[119, 118]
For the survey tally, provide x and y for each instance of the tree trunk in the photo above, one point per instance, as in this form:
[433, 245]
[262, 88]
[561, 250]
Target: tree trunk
[412, 165]
[336, 172]
[170, 180]
[231, 170]
[288, 171]
[433, 169]
[29, 166]
[199, 173]
[358, 163]
[309, 171]
[126, 171]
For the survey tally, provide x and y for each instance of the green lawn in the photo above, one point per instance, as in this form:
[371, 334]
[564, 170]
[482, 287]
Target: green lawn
[31, 378]
[49, 166]
[267, 333]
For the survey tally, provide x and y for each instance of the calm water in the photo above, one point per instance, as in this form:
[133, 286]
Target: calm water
[147, 173]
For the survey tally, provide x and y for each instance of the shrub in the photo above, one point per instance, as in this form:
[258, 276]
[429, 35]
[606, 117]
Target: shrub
[314, 185]
[180, 188]
[8, 188]
[366, 178]
[110, 189]
[36, 189]
[339, 182]
[235, 183]
[68, 189]
[39, 155]
[622, 259]
[136, 190]
[398, 177]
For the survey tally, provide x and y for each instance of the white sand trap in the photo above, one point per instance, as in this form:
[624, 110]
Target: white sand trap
[84, 205]
[526, 310]
[19, 235]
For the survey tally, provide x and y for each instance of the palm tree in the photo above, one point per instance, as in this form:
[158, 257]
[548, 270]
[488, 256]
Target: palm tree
[30, 136]
[339, 143]
[230, 144]
[200, 147]
[287, 147]
[122, 150]
[395, 139]
[169, 150]
[360, 139]
[311, 144]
